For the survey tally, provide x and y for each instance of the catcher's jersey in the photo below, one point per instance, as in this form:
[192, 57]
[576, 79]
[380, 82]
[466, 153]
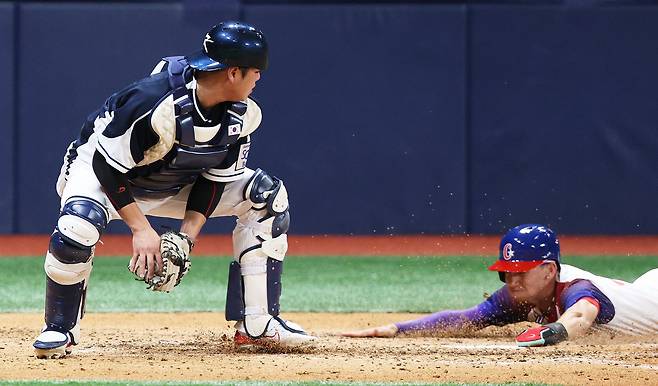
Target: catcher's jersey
[135, 129]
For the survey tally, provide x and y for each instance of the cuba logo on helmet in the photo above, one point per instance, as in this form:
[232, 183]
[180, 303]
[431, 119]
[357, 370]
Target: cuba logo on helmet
[508, 252]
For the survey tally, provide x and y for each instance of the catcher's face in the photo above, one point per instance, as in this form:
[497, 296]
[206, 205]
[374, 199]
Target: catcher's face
[243, 81]
[532, 286]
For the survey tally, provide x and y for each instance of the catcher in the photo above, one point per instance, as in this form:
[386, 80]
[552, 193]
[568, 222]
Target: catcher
[565, 300]
[175, 144]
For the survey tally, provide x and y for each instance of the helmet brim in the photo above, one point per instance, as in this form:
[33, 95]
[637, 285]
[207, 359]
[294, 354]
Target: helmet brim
[202, 62]
[514, 266]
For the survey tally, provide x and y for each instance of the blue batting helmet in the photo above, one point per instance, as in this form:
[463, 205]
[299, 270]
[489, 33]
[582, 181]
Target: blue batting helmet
[231, 44]
[526, 246]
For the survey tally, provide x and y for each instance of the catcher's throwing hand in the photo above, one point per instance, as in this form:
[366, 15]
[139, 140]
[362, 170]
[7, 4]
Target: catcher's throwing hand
[542, 336]
[175, 248]
[146, 260]
[387, 331]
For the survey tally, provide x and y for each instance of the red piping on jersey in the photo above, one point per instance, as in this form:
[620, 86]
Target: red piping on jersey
[109, 197]
[212, 199]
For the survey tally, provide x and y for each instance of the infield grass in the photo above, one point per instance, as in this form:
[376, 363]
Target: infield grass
[311, 284]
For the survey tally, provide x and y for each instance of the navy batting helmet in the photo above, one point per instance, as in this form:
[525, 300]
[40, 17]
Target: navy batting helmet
[231, 44]
[526, 246]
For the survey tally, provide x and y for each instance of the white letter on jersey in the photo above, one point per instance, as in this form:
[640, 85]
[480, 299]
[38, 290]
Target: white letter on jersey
[241, 163]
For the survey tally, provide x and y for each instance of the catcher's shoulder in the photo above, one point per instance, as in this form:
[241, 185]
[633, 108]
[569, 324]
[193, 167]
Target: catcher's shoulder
[252, 117]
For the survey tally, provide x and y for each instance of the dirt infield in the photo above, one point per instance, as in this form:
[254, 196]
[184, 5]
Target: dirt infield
[197, 346]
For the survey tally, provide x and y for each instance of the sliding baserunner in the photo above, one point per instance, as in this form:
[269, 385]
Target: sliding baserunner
[565, 300]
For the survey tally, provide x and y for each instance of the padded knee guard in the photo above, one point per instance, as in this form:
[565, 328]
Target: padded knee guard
[260, 244]
[69, 261]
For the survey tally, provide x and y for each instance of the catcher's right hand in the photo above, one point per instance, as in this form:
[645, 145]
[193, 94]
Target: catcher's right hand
[175, 248]
[386, 331]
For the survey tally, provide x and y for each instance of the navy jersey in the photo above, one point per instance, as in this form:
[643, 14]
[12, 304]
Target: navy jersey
[135, 129]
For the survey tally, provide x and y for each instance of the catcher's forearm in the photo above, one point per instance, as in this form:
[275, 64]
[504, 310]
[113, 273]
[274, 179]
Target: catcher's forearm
[134, 218]
[192, 224]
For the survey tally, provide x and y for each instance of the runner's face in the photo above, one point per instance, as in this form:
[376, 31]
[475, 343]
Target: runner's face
[529, 286]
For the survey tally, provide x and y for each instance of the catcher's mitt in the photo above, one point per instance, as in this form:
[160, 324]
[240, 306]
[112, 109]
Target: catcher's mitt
[175, 248]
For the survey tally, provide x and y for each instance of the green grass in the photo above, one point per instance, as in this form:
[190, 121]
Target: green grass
[340, 284]
[245, 383]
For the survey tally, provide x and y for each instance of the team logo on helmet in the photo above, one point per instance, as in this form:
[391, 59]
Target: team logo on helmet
[508, 252]
[207, 40]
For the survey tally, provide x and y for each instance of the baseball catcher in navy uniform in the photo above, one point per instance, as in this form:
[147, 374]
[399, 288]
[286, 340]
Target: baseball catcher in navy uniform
[175, 145]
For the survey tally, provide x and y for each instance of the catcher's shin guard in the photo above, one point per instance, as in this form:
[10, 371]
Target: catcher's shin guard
[235, 304]
[260, 244]
[68, 265]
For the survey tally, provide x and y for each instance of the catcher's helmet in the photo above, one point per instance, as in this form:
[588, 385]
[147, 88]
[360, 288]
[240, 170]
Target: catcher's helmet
[526, 246]
[231, 44]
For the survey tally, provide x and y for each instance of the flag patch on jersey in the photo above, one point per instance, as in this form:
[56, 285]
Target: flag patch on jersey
[241, 163]
[234, 129]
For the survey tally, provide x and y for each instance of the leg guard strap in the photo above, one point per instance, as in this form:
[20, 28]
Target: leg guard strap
[274, 272]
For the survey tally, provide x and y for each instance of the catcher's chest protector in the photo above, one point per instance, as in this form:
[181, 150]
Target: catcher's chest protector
[188, 157]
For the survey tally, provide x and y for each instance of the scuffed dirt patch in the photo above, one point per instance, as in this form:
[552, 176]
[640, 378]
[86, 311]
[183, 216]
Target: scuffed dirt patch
[198, 347]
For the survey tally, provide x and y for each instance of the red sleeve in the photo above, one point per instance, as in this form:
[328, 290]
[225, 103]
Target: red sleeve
[593, 301]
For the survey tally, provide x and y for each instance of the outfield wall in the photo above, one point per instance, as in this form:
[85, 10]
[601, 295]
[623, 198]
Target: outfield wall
[382, 118]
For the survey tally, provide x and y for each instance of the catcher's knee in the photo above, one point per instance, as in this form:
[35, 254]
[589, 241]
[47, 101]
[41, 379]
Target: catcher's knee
[82, 222]
[263, 228]
[80, 226]
[266, 191]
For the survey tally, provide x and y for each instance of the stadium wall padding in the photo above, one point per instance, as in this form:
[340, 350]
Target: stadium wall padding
[381, 118]
[355, 103]
[7, 108]
[564, 124]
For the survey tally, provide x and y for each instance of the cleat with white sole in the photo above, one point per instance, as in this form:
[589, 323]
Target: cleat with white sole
[278, 334]
[53, 345]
